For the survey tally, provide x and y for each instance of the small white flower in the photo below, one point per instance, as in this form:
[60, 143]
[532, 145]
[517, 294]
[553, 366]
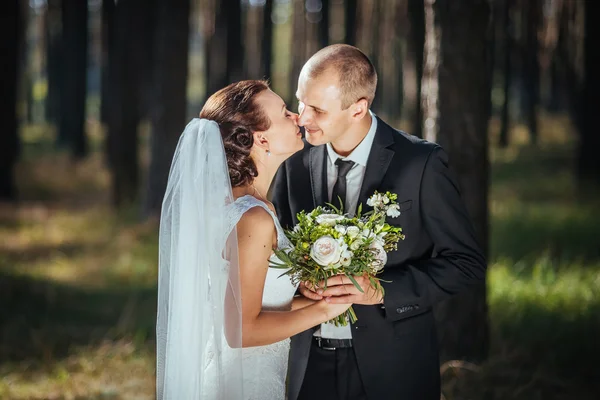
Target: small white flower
[341, 229]
[378, 201]
[393, 210]
[352, 231]
[380, 256]
[329, 219]
[380, 238]
[356, 244]
[326, 251]
[346, 258]
[296, 228]
[367, 233]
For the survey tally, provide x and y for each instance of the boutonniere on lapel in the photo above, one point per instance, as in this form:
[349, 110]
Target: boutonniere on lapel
[328, 242]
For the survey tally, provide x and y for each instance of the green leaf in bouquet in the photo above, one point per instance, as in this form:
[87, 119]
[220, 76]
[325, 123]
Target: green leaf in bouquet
[340, 210]
[277, 265]
[359, 211]
[374, 283]
[286, 273]
[355, 283]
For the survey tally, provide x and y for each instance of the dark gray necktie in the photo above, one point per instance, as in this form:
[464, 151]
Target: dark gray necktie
[339, 189]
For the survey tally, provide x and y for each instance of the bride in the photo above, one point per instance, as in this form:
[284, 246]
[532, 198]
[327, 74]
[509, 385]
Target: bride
[224, 317]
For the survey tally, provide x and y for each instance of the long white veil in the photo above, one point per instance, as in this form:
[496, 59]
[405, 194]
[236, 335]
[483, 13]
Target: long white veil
[199, 326]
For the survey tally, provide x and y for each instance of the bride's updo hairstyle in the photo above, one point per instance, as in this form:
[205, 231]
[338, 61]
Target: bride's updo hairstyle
[235, 110]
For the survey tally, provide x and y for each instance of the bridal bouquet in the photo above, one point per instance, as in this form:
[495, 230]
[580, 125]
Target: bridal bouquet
[327, 242]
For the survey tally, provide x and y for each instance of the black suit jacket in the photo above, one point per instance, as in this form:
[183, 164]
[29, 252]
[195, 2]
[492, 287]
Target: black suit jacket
[396, 345]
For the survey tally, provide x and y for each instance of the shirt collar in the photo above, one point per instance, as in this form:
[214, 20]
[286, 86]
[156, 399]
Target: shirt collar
[360, 154]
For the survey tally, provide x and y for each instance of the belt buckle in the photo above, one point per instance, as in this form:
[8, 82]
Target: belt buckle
[320, 342]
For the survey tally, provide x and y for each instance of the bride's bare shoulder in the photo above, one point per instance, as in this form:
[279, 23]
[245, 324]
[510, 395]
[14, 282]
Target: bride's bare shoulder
[256, 223]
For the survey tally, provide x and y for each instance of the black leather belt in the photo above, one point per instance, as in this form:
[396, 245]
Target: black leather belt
[332, 344]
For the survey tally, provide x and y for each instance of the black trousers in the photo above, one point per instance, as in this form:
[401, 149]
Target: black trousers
[332, 375]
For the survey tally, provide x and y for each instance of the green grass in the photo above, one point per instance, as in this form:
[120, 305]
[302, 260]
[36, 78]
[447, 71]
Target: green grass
[77, 282]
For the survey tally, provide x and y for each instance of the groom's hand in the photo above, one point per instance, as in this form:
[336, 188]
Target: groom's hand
[340, 289]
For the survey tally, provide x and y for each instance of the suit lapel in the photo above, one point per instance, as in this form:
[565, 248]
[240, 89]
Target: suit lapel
[379, 160]
[318, 175]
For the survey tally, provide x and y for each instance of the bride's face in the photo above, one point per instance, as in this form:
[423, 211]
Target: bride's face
[283, 136]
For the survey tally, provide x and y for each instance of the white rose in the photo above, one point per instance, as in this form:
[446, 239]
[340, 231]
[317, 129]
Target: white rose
[326, 251]
[380, 256]
[385, 199]
[352, 232]
[341, 229]
[329, 219]
[393, 210]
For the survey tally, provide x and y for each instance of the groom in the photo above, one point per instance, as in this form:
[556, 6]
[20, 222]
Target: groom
[391, 352]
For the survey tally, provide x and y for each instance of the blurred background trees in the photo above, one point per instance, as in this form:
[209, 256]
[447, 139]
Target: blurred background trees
[97, 92]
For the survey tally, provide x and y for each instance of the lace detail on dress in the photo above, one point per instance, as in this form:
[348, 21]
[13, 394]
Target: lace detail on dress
[265, 367]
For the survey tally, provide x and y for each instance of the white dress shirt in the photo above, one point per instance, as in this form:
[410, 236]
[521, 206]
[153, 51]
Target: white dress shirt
[354, 181]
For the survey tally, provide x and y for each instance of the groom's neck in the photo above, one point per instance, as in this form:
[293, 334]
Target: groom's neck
[353, 137]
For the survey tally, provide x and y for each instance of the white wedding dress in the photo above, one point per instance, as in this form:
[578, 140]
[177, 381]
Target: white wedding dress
[264, 367]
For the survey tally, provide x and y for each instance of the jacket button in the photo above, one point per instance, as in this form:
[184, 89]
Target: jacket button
[399, 310]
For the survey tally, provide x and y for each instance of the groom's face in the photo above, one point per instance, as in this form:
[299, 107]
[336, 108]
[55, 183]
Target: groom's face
[320, 108]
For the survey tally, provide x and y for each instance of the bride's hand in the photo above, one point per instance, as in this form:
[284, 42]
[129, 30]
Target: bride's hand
[308, 292]
[332, 310]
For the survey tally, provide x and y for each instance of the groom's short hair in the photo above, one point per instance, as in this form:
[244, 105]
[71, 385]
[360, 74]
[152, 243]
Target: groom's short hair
[356, 73]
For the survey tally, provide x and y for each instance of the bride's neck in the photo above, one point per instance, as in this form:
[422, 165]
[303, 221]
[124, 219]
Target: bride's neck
[261, 184]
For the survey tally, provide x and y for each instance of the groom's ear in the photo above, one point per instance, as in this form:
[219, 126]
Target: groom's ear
[360, 109]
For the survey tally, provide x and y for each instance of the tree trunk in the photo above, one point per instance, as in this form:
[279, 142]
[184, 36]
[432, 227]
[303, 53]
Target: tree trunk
[10, 32]
[377, 30]
[54, 60]
[464, 106]
[571, 60]
[108, 39]
[235, 50]
[72, 120]
[588, 160]
[555, 100]
[429, 83]
[267, 42]
[350, 15]
[324, 24]
[396, 27]
[532, 10]
[416, 43]
[169, 110]
[125, 61]
[298, 31]
[216, 47]
[507, 34]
